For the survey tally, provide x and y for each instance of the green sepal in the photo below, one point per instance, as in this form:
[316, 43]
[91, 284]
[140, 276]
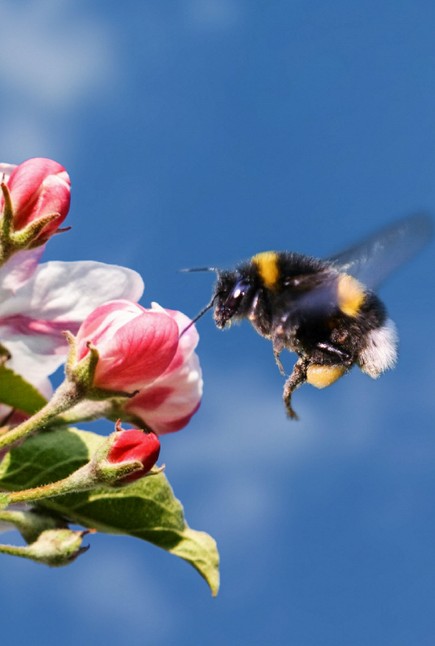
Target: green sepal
[28, 237]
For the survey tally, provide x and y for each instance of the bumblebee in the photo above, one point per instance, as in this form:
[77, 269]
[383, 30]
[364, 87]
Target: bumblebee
[326, 311]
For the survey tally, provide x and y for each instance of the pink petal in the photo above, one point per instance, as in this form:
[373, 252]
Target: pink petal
[168, 404]
[137, 353]
[103, 323]
[187, 342]
[135, 345]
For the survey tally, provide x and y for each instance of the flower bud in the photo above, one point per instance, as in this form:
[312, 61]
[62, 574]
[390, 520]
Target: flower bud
[55, 547]
[169, 402]
[134, 445]
[39, 190]
[134, 345]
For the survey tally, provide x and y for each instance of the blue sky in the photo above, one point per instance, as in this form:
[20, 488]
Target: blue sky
[197, 133]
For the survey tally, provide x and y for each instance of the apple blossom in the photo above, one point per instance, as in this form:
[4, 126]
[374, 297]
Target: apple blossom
[39, 302]
[169, 402]
[142, 350]
[134, 345]
[133, 444]
[39, 191]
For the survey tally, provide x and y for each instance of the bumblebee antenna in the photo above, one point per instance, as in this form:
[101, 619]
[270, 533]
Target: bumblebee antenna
[198, 316]
[192, 269]
[209, 305]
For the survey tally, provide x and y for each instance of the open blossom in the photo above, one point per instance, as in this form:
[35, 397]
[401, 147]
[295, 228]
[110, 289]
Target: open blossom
[38, 188]
[133, 444]
[141, 349]
[39, 302]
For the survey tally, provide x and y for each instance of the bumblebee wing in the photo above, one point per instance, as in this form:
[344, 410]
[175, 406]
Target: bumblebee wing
[376, 257]
[308, 295]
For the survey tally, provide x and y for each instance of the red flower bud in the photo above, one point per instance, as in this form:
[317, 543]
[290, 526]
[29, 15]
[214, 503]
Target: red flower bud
[133, 444]
[38, 188]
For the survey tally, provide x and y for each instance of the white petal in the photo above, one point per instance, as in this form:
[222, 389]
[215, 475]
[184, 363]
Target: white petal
[69, 291]
[6, 170]
[58, 297]
[16, 271]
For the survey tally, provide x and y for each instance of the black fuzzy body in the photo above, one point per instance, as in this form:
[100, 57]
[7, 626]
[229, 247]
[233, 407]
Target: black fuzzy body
[300, 312]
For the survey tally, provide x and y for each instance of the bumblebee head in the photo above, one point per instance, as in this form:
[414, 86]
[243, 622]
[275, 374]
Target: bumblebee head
[233, 296]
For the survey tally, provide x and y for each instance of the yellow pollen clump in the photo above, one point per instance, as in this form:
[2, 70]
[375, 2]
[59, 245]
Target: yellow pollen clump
[323, 376]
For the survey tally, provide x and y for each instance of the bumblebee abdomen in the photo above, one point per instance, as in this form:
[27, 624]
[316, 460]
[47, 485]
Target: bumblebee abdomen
[380, 350]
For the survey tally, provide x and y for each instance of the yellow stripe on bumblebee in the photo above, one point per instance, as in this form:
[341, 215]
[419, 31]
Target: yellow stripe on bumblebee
[350, 294]
[267, 264]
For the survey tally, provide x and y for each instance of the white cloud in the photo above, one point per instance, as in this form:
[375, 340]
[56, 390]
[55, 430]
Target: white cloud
[213, 14]
[55, 59]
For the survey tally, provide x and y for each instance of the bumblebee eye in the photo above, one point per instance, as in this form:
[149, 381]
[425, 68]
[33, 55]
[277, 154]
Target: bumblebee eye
[239, 291]
[233, 298]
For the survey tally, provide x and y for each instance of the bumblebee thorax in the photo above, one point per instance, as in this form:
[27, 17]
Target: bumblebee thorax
[267, 265]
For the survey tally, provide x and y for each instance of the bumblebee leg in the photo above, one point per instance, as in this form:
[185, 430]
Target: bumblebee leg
[296, 379]
[278, 347]
[276, 354]
[344, 356]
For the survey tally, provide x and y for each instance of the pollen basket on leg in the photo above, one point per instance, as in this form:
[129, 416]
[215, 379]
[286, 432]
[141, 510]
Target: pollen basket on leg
[267, 264]
[323, 376]
[350, 295]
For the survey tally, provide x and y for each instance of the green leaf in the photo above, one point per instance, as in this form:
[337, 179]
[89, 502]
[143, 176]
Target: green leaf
[18, 393]
[146, 508]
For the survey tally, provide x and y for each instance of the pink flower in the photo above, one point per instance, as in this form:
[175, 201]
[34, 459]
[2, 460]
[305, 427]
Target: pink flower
[38, 188]
[135, 345]
[133, 444]
[141, 349]
[169, 402]
[39, 302]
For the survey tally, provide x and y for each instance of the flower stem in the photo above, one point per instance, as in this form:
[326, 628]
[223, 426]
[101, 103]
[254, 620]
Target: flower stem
[11, 517]
[15, 550]
[80, 480]
[97, 472]
[6, 225]
[66, 396]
